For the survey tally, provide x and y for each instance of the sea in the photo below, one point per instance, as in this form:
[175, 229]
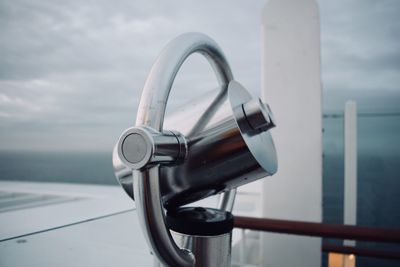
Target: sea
[378, 180]
[378, 201]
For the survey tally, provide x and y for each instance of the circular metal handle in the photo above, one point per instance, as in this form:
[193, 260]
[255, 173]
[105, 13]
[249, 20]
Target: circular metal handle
[151, 114]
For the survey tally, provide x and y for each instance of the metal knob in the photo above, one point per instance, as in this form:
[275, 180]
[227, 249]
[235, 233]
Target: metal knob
[258, 115]
[139, 147]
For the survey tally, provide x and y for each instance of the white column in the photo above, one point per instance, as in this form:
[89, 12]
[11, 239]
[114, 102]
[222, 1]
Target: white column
[292, 86]
[350, 166]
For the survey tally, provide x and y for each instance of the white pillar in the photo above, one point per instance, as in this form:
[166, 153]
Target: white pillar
[292, 86]
[350, 166]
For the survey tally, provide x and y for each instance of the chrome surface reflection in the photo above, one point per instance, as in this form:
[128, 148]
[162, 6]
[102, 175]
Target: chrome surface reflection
[223, 150]
[212, 145]
[210, 251]
[227, 145]
[151, 113]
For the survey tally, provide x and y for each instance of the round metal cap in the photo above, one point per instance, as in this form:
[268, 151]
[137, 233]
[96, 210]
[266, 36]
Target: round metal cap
[135, 147]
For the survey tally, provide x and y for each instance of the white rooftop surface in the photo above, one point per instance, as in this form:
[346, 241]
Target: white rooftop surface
[54, 224]
[37, 213]
[93, 226]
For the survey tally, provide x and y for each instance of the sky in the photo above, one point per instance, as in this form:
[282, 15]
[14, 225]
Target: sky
[71, 72]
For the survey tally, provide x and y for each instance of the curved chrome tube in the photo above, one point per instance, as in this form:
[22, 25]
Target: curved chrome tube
[149, 209]
[158, 84]
[151, 113]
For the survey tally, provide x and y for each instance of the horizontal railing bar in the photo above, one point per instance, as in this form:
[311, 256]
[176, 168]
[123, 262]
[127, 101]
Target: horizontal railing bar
[336, 231]
[362, 252]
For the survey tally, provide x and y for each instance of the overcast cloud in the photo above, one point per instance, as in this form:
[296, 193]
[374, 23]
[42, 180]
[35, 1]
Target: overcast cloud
[71, 72]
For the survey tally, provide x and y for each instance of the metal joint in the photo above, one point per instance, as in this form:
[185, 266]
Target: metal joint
[141, 147]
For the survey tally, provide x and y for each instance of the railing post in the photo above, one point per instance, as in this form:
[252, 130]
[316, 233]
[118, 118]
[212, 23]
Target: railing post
[350, 167]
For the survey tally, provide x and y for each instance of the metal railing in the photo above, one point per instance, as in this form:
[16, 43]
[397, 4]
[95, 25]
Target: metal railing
[348, 232]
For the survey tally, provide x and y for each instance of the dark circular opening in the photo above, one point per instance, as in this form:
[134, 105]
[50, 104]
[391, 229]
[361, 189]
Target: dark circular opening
[199, 221]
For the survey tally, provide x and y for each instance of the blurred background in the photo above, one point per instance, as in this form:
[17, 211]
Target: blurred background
[71, 74]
